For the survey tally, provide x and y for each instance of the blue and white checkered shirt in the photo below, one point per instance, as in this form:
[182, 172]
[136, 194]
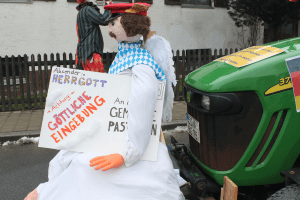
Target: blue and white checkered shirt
[130, 54]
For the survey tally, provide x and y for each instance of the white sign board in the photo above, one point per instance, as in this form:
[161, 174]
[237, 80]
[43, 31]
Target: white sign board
[87, 112]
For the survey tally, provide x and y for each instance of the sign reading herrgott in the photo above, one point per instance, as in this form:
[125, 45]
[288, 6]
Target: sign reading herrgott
[87, 112]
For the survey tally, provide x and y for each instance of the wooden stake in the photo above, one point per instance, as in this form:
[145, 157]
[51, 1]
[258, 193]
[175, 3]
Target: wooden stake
[229, 190]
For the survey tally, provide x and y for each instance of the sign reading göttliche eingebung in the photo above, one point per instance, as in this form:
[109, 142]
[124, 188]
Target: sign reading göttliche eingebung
[87, 112]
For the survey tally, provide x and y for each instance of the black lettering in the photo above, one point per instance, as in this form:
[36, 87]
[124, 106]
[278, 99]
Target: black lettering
[125, 112]
[117, 100]
[114, 113]
[153, 130]
[116, 127]
[281, 81]
[120, 112]
[122, 124]
[110, 125]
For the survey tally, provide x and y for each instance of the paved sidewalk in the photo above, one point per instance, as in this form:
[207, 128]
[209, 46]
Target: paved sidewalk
[16, 124]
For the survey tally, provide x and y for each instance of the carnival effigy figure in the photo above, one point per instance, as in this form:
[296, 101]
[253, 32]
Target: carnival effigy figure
[147, 58]
[90, 45]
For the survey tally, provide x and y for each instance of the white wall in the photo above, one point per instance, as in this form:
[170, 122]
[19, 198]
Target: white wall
[49, 27]
[40, 27]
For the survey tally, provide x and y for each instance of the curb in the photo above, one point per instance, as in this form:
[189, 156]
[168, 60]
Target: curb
[172, 124]
[14, 136]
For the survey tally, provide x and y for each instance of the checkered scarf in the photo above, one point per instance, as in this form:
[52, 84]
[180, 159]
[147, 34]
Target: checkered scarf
[130, 54]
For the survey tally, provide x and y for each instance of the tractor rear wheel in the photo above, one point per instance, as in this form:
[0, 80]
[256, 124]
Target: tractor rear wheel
[291, 192]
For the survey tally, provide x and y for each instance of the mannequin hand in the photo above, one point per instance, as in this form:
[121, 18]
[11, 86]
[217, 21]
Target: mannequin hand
[107, 162]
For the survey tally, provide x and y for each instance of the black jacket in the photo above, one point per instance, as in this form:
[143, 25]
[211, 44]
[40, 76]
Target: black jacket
[90, 38]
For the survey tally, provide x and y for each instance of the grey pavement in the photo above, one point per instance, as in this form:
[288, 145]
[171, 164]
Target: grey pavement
[16, 124]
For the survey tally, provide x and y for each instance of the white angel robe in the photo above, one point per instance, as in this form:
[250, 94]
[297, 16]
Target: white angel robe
[71, 177]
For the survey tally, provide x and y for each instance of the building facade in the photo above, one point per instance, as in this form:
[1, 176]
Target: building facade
[41, 26]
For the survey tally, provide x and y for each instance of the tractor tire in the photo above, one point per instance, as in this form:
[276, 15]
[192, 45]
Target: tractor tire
[291, 192]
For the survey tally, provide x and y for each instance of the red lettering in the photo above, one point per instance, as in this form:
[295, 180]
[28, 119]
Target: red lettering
[66, 129]
[81, 119]
[91, 107]
[82, 101]
[72, 126]
[86, 97]
[70, 111]
[76, 122]
[75, 106]
[85, 112]
[60, 134]
[55, 126]
[100, 100]
[55, 138]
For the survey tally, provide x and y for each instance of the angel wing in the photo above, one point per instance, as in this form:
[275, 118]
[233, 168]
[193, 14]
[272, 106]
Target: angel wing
[161, 51]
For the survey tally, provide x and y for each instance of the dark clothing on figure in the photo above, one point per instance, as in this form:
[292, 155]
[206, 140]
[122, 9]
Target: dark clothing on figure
[89, 34]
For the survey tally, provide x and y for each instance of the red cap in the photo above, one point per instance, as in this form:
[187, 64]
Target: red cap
[133, 8]
[294, 0]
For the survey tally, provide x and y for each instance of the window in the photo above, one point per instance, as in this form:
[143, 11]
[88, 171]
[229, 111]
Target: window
[15, 1]
[190, 3]
[173, 2]
[144, 1]
[221, 3]
[100, 3]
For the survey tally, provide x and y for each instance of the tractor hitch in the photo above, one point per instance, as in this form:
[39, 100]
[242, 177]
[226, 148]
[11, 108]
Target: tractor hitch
[189, 170]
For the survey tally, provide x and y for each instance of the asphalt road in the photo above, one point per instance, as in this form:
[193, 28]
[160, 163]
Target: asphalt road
[23, 168]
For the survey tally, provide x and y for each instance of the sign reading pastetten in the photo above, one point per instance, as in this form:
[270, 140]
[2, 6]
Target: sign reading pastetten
[250, 55]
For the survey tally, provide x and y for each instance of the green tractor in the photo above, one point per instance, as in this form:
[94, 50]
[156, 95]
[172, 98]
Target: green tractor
[243, 123]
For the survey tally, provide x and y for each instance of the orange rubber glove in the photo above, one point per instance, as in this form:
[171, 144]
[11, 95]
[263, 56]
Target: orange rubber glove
[107, 162]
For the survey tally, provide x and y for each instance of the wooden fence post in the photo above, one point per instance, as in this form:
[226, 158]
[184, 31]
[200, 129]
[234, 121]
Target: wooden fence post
[65, 60]
[110, 56]
[106, 63]
[8, 84]
[33, 82]
[57, 59]
[28, 82]
[194, 59]
[51, 62]
[21, 76]
[183, 73]
[199, 58]
[13, 70]
[226, 51]
[177, 69]
[209, 55]
[40, 77]
[188, 63]
[2, 86]
[215, 54]
[220, 53]
[71, 61]
[206, 57]
[46, 72]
